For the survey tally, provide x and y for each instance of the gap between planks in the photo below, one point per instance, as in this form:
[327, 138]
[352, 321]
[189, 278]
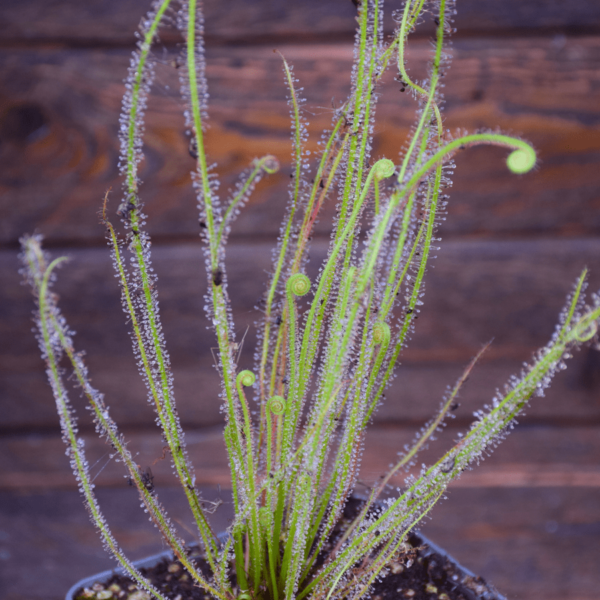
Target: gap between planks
[531, 457]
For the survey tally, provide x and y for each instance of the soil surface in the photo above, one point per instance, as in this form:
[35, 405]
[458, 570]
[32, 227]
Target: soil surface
[423, 574]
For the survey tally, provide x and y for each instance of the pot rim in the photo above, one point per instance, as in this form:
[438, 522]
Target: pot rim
[490, 594]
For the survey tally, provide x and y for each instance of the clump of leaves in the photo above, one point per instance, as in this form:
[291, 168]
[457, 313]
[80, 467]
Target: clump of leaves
[322, 364]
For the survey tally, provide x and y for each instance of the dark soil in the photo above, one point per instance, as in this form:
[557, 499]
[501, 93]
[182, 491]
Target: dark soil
[430, 577]
[422, 574]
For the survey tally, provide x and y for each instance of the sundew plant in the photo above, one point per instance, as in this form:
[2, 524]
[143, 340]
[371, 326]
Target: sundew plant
[327, 348]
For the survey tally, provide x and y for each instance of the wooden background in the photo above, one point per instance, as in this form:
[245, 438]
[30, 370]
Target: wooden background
[529, 518]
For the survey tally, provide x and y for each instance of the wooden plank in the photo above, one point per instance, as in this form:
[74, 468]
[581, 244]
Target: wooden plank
[48, 542]
[512, 290]
[33, 461]
[114, 21]
[411, 400]
[477, 290]
[530, 457]
[531, 543]
[58, 112]
[539, 543]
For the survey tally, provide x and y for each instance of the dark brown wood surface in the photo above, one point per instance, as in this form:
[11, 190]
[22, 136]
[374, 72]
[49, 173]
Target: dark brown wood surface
[114, 21]
[58, 113]
[476, 286]
[529, 517]
[536, 543]
[533, 455]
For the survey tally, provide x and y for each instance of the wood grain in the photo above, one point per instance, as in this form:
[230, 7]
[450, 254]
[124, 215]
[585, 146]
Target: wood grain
[58, 114]
[114, 21]
[413, 397]
[531, 543]
[510, 291]
[538, 456]
[529, 518]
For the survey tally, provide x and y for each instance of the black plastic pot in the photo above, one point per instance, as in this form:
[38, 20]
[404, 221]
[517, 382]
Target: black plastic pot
[469, 585]
[103, 577]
